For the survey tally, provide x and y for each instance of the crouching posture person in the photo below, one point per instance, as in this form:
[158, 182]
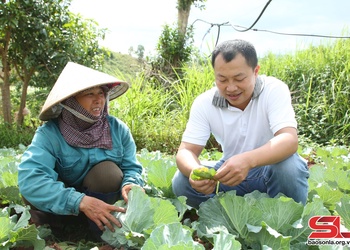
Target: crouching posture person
[252, 118]
[82, 160]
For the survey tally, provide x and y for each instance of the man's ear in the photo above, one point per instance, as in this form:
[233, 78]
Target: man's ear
[256, 70]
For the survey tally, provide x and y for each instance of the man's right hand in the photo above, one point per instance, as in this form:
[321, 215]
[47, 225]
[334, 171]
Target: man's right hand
[203, 186]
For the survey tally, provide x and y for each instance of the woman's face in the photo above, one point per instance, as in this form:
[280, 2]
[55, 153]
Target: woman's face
[93, 100]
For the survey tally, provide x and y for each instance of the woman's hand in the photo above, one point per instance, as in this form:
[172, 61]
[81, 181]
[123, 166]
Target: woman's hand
[100, 212]
[126, 189]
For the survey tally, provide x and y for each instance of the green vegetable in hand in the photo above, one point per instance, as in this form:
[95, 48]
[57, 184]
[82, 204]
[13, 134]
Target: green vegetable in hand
[203, 173]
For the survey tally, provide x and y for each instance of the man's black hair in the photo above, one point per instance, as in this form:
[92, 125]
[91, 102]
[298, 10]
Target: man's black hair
[230, 48]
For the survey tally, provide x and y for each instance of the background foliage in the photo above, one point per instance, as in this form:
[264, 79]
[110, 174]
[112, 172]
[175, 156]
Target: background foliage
[37, 39]
[156, 114]
[319, 80]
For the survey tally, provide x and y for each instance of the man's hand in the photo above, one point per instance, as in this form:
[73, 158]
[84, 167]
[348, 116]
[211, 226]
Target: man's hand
[281, 146]
[203, 186]
[100, 212]
[233, 171]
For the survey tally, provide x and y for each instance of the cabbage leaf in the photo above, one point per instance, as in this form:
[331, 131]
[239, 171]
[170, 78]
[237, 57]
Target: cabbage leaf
[142, 216]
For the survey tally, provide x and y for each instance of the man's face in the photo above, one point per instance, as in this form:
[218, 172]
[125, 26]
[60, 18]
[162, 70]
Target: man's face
[93, 100]
[235, 80]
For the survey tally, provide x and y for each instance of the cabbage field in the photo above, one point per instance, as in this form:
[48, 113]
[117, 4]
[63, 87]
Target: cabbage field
[157, 219]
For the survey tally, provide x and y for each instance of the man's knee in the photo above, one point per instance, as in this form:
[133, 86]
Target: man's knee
[179, 183]
[289, 177]
[294, 166]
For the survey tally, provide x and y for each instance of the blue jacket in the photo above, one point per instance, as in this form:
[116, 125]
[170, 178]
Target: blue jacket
[51, 171]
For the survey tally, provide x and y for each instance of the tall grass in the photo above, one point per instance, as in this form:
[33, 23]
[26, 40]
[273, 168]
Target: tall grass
[148, 112]
[157, 116]
[196, 80]
[319, 78]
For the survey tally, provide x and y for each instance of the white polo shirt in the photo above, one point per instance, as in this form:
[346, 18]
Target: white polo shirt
[239, 131]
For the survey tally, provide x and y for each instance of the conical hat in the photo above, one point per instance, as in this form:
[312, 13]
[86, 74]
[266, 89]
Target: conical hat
[73, 79]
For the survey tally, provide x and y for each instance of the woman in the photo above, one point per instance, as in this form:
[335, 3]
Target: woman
[82, 160]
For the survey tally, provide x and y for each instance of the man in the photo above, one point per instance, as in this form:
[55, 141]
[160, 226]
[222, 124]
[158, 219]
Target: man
[252, 117]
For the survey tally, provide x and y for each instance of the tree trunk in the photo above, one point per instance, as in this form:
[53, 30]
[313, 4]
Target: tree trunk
[183, 13]
[27, 76]
[6, 99]
[5, 76]
[183, 16]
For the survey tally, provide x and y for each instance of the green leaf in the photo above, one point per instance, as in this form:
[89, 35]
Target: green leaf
[213, 218]
[242, 214]
[258, 220]
[10, 195]
[343, 209]
[329, 196]
[300, 229]
[9, 179]
[180, 204]
[143, 214]
[171, 236]
[338, 151]
[267, 236]
[321, 186]
[23, 220]
[279, 213]
[317, 176]
[159, 171]
[224, 240]
[5, 226]
[19, 233]
[338, 178]
[27, 236]
[164, 211]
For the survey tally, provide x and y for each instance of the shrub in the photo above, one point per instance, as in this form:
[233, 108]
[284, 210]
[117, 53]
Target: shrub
[11, 136]
[318, 78]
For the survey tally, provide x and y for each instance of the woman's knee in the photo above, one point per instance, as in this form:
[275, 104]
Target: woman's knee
[104, 177]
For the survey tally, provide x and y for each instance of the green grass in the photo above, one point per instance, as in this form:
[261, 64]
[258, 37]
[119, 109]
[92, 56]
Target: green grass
[318, 78]
[157, 112]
